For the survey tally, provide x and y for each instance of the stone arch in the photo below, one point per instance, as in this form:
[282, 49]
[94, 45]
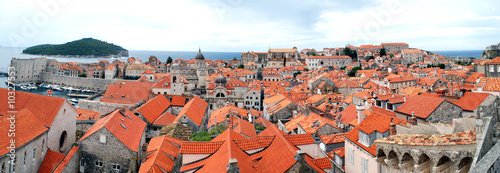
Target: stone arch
[465, 164]
[443, 160]
[381, 153]
[407, 157]
[423, 158]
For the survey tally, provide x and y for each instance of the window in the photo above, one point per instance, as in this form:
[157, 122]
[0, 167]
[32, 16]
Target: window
[364, 166]
[63, 137]
[102, 139]
[492, 68]
[98, 163]
[34, 154]
[116, 166]
[351, 156]
[2, 170]
[24, 159]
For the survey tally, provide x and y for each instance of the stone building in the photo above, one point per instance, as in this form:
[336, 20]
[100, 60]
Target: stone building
[220, 93]
[492, 68]
[315, 62]
[136, 70]
[277, 58]
[394, 46]
[28, 70]
[278, 107]
[110, 72]
[56, 113]
[428, 109]
[194, 114]
[253, 98]
[114, 143]
[412, 55]
[30, 146]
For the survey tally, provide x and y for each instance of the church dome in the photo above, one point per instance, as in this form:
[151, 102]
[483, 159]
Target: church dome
[220, 80]
[199, 56]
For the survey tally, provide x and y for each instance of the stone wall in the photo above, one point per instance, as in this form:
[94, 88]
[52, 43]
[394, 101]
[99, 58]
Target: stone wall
[445, 113]
[490, 162]
[76, 82]
[111, 152]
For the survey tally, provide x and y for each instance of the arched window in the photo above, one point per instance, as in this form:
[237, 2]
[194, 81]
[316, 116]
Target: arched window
[62, 139]
[2, 169]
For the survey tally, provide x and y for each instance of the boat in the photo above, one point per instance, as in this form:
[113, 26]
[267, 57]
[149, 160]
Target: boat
[73, 100]
[23, 87]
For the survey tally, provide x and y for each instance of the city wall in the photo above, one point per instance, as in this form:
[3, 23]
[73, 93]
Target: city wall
[76, 82]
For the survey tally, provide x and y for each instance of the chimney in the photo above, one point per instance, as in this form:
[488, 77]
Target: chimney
[233, 166]
[413, 119]
[144, 149]
[122, 110]
[404, 98]
[360, 109]
[392, 128]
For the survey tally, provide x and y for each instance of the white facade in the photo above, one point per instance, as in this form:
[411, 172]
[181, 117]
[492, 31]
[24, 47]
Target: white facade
[315, 62]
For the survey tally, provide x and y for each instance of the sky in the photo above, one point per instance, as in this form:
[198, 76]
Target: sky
[257, 25]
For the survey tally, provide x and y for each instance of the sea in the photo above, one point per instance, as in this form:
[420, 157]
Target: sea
[7, 53]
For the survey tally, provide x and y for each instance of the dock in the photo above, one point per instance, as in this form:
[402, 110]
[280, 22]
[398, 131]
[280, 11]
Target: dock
[79, 95]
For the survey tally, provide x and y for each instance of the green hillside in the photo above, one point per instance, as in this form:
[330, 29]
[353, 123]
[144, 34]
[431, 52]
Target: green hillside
[83, 47]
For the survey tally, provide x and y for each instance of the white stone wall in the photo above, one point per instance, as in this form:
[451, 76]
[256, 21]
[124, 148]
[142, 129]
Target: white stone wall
[359, 154]
[65, 120]
[32, 164]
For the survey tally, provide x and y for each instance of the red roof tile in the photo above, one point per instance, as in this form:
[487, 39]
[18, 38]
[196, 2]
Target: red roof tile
[66, 159]
[153, 108]
[27, 128]
[128, 128]
[126, 92]
[349, 114]
[333, 139]
[471, 100]
[195, 109]
[340, 151]
[300, 139]
[245, 128]
[178, 100]
[322, 163]
[422, 106]
[192, 147]
[50, 161]
[46, 107]
[83, 114]
[161, 150]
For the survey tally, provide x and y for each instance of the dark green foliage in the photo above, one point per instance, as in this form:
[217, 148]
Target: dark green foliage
[441, 66]
[84, 47]
[207, 136]
[82, 75]
[343, 68]
[131, 77]
[259, 126]
[235, 59]
[352, 73]
[383, 52]
[351, 53]
[369, 57]
[241, 66]
[169, 60]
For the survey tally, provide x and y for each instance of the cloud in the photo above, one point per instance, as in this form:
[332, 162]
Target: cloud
[242, 25]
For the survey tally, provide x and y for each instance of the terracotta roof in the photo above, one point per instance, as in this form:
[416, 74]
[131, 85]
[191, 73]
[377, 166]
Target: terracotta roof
[254, 142]
[165, 119]
[50, 161]
[221, 113]
[333, 139]
[323, 163]
[349, 114]
[46, 107]
[196, 147]
[300, 139]
[339, 151]
[195, 109]
[423, 106]
[473, 77]
[245, 128]
[328, 57]
[178, 100]
[496, 60]
[471, 100]
[492, 84]
[127, 92]
[309, 123]
[27, 128]
[160, 150]
[371, 123]
[411, 51]
[83, 114]
[127, 128]
[67, 158]
[153, 108]
[461, 138]
[395, 44]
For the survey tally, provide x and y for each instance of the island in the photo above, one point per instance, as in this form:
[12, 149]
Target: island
[83, 48]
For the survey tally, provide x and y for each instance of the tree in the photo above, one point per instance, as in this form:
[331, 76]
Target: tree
[352, 73]
[169, 60]
[234, 59]
[383, 52]
[82, 75]
[241, 66]
[351, 53]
